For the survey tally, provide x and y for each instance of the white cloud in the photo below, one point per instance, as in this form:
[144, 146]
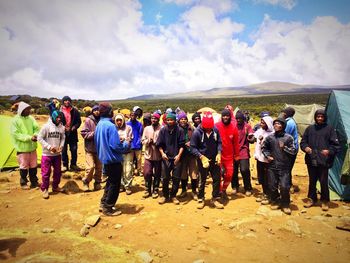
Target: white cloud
[100, 50]
[287, 4]
[219, 7]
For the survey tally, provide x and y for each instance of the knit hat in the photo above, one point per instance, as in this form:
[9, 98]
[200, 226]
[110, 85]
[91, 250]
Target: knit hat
[289, 111]
[281, 121]
[94, 108]
[66, 98]
[171, 115]
[156, 115]
[54, 115]
[105, 109]
[207, 120]
[240, 115]
[264, 114]
[181, 115]
[226, 112]
[196, 115]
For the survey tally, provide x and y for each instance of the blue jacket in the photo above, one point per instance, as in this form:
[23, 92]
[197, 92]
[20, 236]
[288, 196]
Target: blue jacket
[137, 129]
[108, 146]
[292, 129]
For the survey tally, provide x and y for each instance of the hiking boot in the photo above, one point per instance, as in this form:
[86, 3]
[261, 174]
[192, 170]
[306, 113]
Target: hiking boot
[146, 194]
[175, 201]
[275, 206]
[34, 186]
[217, 204]
[224, 196]
[183, 194]
[86, 186]
[265, 201]
[122, 189]
[155, 195]
[309, 203]
[259, 199]
[324, 206]
[162, 200]
[97, 186]
[234, 191]
[194, 196]
[128, 191]
[287, 210]
[111, 212]
[57, 190]
[65, 169]
[25, 187]
[46, 194]
[200, 204]
[75, 168]
[248, 193]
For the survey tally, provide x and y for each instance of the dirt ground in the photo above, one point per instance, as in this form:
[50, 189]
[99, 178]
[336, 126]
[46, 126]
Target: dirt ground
[36, 230]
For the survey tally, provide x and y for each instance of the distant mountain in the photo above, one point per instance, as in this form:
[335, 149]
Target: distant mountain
[267, 88]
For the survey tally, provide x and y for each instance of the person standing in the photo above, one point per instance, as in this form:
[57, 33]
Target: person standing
[196, 119]
[245, 136]
[153, 159]
[189, 160]
[171, 144]
[71, 122]
[320, 143]
[93, 166]
[292, 129]
[109, 150]
[125, 134]
[136, 145]
[230, 149]
[206, 146]
[24, 131]
[279, 148]
[52, 138]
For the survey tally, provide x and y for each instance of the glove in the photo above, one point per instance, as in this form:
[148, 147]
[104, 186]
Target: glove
[218, 159]
[205, 161]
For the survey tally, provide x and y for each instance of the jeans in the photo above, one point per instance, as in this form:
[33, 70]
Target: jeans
[171, 171]
[279, 178]
[73, 147]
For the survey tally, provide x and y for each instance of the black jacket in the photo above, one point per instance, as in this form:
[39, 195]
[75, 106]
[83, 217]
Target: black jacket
[282, 156]
[171, 140]
[72, 136]
[318, 138]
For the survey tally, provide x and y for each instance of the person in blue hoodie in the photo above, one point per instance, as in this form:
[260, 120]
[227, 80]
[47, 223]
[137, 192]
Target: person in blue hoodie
[109, 150]
[136, 144]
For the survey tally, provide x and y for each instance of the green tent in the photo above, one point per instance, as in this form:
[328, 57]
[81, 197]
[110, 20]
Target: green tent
[8, 153]
[338, 112]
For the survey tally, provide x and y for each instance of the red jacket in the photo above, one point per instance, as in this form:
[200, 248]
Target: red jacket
[243, 132]
[230, 143]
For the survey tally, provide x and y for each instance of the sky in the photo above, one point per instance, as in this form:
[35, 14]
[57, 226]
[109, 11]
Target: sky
[116, 49]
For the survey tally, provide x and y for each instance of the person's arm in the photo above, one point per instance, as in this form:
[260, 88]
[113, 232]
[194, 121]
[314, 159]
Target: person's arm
[62, 140]
[289, 147]
[16, 133]
[194, 144]
[86, 132]
[304, 144]
[42, 138]
[266, 149]
[235, 144]
[114, 140]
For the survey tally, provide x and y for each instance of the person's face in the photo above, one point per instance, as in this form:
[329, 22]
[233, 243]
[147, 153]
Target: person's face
[170, 122]
[26, 112]
[277, 126]
[225, 119]
[66, 103]
[197, 120]
[263, 124]
[58, 120]
[283, 115]
[96, 113]
[119, 122]
[320, 119]
[132, 116]
[240, 121]
[183, 122]
[154, 121]
[138, 113]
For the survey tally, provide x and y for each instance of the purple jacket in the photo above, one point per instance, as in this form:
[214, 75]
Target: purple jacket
[88, 132]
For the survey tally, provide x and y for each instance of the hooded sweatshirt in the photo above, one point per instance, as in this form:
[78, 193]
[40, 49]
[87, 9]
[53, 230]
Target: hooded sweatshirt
[88, 132]
[125, 131]
[229, 137]
[23, 129]
[137, 134]
[51, 136]
[259, 142]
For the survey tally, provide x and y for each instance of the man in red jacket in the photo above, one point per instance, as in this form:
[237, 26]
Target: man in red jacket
[230, 149]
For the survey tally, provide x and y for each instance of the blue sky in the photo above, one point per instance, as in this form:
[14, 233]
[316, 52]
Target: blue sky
[124, 48]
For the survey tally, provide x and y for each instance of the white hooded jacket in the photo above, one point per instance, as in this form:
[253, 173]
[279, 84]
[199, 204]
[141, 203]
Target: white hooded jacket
[261, 133]
[51, 136]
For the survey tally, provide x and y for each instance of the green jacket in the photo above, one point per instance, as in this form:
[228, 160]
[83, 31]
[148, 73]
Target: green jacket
[22, 131]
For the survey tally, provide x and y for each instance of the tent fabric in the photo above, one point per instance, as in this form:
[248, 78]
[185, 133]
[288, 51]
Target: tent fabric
[338, 111]
[206, 109]
[8, 157]
[304, 115]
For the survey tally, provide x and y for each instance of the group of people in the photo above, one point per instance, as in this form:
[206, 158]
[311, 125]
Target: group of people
[174, 151]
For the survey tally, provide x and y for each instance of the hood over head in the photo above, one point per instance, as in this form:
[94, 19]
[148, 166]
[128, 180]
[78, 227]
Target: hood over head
[21, 107]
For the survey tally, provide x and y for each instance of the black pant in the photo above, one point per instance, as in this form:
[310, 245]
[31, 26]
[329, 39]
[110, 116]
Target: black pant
[73, 147]
[261, 169]
[173, 172]
[32, 177]
[111, 192]
[279, 178]
[203, 174]
[243, 166]
[293, 158]
[321, 174]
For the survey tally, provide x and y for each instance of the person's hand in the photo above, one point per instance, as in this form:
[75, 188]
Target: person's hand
[205, 161]
[218, 159]
[308, 150]
[177, 159]
[188, 144]
[270, 159]
[165, 157]
[150, 140]
[59, 149]
[34, 138]
[325, 152]
[53, 150]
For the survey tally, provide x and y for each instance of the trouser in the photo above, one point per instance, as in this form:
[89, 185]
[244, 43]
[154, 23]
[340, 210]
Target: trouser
[46, 163]
[73, 147]
[321, 174]
[279, 179]
[32, 177]
[111, 191]
[227, 173]
[137, 155]
[243, 166]
[149, 175]
[203, 174]
[189, 168]
[93, 168]
[173, 172]
[28, 161]
[292, 160]
[261, 169]
[128, 173]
